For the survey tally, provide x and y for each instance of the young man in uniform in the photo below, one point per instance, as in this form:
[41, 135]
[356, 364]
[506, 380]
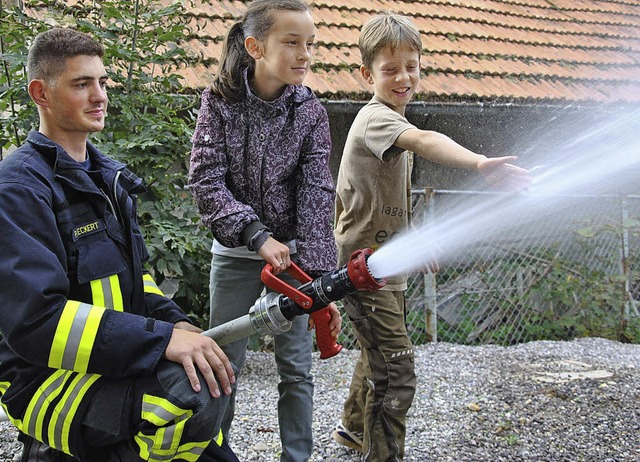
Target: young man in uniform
[96, 364]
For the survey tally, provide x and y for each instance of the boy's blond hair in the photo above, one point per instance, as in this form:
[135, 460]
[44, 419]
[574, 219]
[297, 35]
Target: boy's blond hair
[387, 28]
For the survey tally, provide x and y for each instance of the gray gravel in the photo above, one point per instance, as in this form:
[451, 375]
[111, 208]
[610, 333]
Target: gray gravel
[540, 401]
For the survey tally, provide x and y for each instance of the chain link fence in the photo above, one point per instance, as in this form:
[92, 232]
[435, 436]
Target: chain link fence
[544, 277]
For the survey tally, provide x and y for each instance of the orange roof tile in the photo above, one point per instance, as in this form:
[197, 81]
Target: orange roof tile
[474, 50]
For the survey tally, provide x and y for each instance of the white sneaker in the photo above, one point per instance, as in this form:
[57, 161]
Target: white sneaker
[347, 438]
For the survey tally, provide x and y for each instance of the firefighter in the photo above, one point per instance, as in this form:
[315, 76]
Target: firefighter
[96, 364]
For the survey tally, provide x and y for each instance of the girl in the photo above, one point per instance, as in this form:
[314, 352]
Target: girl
[260, 177]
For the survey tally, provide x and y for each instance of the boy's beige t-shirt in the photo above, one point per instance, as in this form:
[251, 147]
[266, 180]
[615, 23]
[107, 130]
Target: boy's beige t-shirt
[374, 184]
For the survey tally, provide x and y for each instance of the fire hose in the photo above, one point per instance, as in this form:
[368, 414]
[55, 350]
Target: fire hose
[273, 312]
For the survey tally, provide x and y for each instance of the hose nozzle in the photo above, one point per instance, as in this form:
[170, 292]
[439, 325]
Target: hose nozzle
[273, 312]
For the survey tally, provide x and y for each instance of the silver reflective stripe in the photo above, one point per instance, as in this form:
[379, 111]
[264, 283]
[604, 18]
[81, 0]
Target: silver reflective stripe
[150, 286]
[75, 336]
[65, 410]
[160, 412]
[194, 452]
[107, 293]
[53, 408]
[47, 392]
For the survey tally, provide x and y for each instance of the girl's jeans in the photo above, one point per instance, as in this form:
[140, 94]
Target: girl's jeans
[235, 285]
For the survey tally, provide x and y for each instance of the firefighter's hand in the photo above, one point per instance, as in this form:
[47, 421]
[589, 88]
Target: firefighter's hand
[194, 350]
[502, 175]
[335, 324]
[187, 326]
[277, 254]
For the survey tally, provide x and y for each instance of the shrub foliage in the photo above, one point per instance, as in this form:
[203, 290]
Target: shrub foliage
[149, 125]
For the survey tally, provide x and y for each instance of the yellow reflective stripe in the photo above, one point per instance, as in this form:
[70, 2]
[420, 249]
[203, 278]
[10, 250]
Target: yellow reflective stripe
[97, 293]
[66, 409]
[191, 451]
[67, 390]
[164, 444]
[4, 386]
[89, 334]
[40, 402]
[220, 438]
[160, 411]
[62, 333]
[106, 292]
[75, 336]
[116, 292]
[161, 445]
[150, 286]
[145, 443]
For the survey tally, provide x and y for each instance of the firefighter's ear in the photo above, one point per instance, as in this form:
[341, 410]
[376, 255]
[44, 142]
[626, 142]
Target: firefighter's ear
[38, 92]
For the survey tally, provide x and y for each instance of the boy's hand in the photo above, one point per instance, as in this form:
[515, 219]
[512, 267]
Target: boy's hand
[194, 350]
[502, 175]
[335, 324]
[432, 266]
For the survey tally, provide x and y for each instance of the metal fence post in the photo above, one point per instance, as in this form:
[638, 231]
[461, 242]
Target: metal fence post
[624, 265]
[429, 278]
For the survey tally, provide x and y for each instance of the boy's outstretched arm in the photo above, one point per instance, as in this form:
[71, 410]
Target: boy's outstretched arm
[441, 149]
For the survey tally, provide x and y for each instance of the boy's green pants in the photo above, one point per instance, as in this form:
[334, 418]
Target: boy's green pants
[384, 381]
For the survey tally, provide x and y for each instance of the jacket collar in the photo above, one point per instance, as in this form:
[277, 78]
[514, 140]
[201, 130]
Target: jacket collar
[62, 162]
[296, 93]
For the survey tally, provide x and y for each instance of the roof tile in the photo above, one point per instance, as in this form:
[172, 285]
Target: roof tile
[474, 50]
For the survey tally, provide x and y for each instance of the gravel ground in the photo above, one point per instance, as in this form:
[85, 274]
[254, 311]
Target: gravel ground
[540, 401]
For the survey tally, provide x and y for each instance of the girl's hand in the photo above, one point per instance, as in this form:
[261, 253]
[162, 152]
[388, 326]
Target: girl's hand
[277, 254]
[504, 176]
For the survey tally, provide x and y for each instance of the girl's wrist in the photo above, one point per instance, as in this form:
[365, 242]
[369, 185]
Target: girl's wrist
[258, 240]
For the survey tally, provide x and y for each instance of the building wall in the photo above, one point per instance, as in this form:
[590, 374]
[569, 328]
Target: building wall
[533, 133]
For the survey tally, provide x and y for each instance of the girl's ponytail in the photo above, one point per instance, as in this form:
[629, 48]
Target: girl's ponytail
[228, 83]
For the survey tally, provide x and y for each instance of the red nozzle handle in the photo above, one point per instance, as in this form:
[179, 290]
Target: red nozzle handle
[326, 343]
[321, 318]
[277, 284]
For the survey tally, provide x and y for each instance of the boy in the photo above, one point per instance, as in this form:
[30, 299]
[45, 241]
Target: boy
[96, 364]
[374, 176]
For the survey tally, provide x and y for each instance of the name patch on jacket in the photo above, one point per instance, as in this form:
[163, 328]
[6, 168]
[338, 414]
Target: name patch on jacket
[87, 229]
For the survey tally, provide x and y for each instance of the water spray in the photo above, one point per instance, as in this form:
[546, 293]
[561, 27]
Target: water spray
[602, 160]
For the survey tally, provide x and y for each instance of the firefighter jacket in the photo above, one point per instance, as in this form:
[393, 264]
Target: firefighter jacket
[76, 306]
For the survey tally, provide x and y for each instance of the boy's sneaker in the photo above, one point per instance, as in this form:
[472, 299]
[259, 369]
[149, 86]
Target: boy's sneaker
[347, 438]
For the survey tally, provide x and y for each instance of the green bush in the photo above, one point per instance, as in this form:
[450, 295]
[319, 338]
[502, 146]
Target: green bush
[149, 125]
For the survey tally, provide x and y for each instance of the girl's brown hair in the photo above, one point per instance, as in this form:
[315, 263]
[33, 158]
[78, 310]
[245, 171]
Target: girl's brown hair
[256, 22]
